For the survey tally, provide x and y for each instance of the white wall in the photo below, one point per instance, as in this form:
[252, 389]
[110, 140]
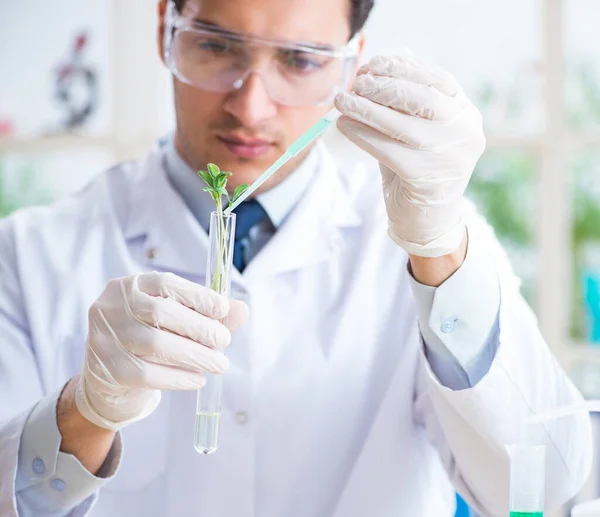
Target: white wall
[35, 36]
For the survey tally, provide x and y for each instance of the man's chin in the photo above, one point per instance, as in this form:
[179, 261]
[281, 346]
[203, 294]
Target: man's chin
[242, 177]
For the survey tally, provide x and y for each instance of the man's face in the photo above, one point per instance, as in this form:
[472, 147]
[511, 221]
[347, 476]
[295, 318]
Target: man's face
[244, 131]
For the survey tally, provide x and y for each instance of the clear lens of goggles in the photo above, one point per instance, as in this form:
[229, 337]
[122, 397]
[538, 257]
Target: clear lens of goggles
[293, 74]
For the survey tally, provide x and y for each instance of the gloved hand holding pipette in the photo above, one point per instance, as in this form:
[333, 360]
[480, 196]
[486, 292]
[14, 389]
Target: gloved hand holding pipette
[416, 120]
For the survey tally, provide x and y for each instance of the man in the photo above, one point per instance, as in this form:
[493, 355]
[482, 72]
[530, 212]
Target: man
[382, 367]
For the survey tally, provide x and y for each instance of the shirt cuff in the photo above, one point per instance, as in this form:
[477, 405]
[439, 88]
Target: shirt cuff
[54, 481]
[459, 320]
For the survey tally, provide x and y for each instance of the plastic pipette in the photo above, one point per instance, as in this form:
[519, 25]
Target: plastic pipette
[293, 150]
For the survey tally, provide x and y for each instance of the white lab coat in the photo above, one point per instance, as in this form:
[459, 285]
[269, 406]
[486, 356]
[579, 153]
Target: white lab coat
[330, 409]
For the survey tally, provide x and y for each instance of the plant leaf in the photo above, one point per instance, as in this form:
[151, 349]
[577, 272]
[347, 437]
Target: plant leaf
[222, 191]
[239, 190]
[213, 170]
[208, 189]
[221, 181]
[206, 177]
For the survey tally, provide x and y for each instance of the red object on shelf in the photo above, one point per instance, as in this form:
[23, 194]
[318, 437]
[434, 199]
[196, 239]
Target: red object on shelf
[6, 127]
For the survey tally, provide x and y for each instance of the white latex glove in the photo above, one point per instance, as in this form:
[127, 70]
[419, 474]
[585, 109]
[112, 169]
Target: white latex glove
[416, 120]
[151, 332]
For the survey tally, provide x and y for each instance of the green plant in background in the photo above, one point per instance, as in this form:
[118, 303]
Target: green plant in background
[584, 112]
[18, 189]
[584, 233]
[501, 195]
[216, 183]
[503, 186]
[505, 197]
[585, 109]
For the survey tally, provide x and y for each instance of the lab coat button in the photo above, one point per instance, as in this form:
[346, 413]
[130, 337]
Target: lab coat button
[38, 466]
[151, 253]
[448, 326]
[241, 417]
[58, 485]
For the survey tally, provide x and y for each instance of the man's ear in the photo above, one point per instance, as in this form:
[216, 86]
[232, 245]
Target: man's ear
[160, 32]
[361, 45]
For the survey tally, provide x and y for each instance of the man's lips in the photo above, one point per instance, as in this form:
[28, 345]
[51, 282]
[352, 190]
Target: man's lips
[246, 147]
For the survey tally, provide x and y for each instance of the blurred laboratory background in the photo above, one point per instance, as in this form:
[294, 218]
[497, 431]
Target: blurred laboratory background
[82, 87]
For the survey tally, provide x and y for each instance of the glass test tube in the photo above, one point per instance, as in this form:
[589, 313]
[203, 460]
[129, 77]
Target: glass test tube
[218, 268]
[527, 480]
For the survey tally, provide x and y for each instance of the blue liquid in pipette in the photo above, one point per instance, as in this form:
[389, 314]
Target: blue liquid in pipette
[314, 132]
[300, 144]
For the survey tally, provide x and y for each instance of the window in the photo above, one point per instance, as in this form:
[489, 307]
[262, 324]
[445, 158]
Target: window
[533, 68]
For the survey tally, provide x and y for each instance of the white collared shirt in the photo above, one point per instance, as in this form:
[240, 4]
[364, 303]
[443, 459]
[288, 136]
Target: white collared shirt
[278, 202]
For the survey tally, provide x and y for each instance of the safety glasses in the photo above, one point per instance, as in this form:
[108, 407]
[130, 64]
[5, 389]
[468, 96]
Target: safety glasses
[293, 73]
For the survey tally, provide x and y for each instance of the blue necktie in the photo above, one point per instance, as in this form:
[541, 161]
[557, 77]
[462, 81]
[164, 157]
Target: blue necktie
[248, 214]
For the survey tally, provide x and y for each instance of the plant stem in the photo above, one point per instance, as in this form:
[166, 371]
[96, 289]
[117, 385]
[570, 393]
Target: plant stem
[218, 282]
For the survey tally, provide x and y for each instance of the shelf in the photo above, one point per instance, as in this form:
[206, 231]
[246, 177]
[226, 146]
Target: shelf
[576, 141]
[581, 351]
[581, 361]
[58, 142]
[585, 140]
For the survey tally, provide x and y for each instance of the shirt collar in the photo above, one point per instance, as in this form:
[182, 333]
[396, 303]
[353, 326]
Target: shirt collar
[278, 202]
[188, 184]
[155, 209]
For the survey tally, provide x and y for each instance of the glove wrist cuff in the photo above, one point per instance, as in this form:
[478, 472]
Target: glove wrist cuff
[447, 243]
[87, 410]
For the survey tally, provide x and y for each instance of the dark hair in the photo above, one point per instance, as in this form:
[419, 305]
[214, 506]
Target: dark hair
[360, 12]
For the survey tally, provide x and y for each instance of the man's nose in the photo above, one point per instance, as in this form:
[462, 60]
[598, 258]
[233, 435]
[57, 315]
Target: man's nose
[251, 104]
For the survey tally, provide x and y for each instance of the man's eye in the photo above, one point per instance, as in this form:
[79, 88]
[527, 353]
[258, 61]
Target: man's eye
[213, 45]
[303, 62]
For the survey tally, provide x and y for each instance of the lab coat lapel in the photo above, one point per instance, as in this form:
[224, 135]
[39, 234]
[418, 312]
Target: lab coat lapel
[312, 231]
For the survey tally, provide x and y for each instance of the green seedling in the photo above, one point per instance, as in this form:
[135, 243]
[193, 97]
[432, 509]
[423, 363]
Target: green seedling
[216, 186]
